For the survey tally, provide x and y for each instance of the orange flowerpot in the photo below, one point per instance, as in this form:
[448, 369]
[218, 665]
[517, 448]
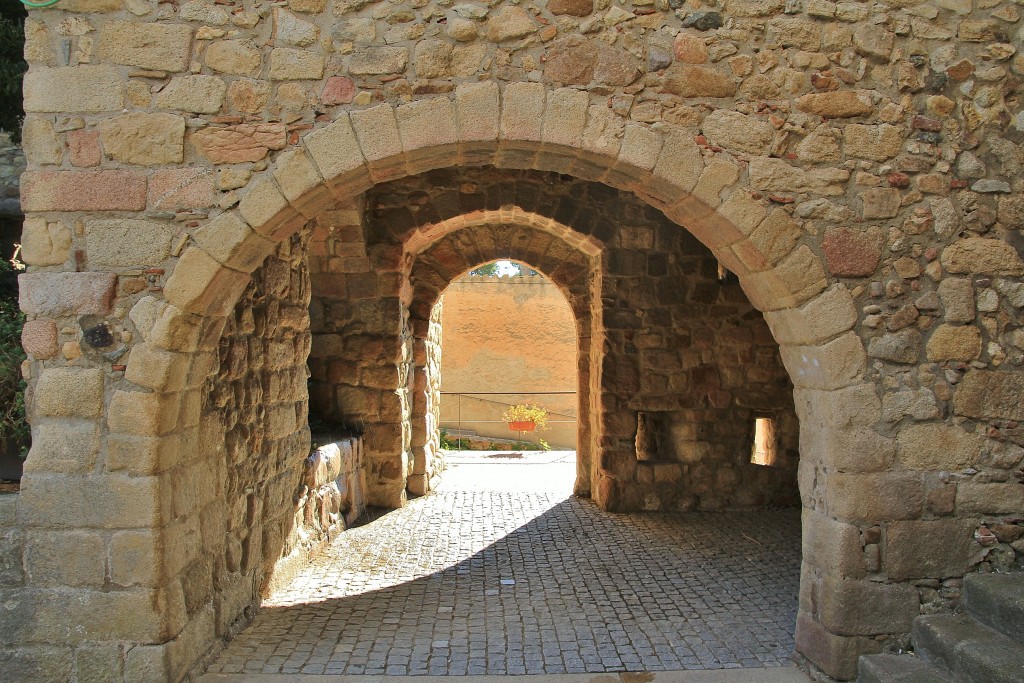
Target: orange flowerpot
[522, 426]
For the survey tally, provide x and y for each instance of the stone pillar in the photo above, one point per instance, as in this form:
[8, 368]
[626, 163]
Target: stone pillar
[584, 464]
[428, 459]
[359, 364]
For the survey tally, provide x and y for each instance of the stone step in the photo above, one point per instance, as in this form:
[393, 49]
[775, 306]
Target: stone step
[972, 652]
[936, 636]
[990, 660]
[898, 669]
[997, 600]
[459, 433]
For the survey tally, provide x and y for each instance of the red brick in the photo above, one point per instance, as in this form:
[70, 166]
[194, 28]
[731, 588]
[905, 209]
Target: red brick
[83, 191]
[84, 148]
[851, 253]
[184, 188]
[337, 90]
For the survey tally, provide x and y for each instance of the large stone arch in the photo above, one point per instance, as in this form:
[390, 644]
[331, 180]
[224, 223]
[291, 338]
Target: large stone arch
[526, 126]
[522, 125]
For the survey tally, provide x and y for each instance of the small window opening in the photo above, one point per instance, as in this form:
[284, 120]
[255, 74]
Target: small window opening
[646, 437]
[764, 450]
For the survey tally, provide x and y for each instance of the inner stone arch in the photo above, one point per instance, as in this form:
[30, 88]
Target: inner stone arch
[572, 271]
[640, 264]
[508, 338]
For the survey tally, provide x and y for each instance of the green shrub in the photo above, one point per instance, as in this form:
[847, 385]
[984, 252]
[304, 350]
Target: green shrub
[12, 66]
[13, 425]
[450, 444]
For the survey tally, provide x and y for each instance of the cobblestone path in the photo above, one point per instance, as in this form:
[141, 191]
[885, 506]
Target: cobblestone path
[486, 577]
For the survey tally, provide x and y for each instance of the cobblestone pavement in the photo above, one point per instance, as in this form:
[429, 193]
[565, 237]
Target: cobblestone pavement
[487, 577]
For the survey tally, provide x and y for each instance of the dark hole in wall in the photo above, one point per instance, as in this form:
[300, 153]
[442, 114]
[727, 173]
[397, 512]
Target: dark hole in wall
[652, 444]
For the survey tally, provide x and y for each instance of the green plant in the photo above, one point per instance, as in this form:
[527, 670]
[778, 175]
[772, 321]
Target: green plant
[450, 444]
[520, 446]
[486, 270]
[13, 425]
[527, 412]
[12, 67]
[503, 268]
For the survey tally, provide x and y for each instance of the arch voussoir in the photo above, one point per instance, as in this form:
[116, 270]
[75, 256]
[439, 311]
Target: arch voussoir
[429, 133]
[478, 112]
[821, 319]
[376, 130]
[231, 242]
[300, 182]
[201, 285]
[337, 155]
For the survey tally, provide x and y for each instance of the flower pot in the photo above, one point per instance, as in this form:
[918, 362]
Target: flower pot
[522, 426]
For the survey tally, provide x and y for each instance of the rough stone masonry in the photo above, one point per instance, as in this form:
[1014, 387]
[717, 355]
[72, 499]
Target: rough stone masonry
[219, 192]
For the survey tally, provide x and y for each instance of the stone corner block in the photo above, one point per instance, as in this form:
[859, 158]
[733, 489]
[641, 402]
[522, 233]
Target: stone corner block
[832, 365]
[60, 294]
[143, 414]
[934, 549]
[853, 607]
[163, 47]
[108, 190]
[836, 655]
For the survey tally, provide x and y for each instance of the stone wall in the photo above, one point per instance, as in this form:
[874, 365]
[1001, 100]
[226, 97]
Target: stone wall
[508, 334]
[253, 461]
[687, 351]
[328, 500]
[428, 458]
[360, 361]
[856, 165]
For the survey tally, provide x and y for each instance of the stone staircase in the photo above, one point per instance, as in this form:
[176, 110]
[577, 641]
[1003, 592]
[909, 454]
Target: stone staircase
[984, 644]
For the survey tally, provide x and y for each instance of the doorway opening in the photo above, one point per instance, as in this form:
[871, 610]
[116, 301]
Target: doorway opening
[508, 377]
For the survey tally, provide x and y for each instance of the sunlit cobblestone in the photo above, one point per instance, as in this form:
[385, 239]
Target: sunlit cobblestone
[486, 577]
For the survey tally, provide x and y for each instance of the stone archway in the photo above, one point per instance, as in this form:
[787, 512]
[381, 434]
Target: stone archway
[154, 409]
[573, 271]
[396, 325]
[783, 279]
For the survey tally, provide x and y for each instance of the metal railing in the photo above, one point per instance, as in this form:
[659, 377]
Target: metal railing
[477, 394]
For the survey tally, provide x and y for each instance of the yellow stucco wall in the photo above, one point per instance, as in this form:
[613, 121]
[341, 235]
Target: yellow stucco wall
[508, 334]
